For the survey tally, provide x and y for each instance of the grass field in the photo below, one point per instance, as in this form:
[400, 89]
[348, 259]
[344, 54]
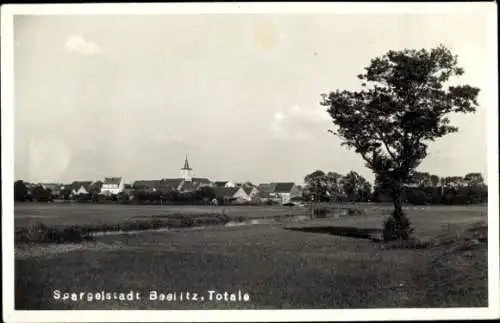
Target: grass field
[81, 214]
[276, 266]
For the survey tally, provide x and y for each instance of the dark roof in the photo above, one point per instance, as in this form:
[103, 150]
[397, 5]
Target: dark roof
[97, 184]
[247, 189]
[283, 187]
[267, 187]
[166, 183]
[112, 180]
[77, 184]
[171, 183]
[200, 180]
[220, 183]
[226, 192]
[147, 184]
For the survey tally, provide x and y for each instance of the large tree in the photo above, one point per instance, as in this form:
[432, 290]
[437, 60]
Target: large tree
[356, 187]
[333, 186]
[20, 191]
[403, 104]
[474, 179]
[434, 181]
[316, 184]
[422, 179]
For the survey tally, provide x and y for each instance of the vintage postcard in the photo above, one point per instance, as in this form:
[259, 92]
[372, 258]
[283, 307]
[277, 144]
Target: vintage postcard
[250, 162]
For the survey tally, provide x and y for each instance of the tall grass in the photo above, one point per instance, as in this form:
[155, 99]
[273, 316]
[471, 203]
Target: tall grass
[41, 233]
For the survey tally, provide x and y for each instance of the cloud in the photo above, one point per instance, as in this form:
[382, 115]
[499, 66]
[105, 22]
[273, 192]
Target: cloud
[78, 45]
[298, 123]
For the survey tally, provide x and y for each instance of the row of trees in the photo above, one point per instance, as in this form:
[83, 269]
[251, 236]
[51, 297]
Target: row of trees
[332, 186]
[37, 193]
[425, 188]
[421, 188]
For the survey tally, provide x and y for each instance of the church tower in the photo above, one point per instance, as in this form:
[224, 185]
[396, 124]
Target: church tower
[186, 171]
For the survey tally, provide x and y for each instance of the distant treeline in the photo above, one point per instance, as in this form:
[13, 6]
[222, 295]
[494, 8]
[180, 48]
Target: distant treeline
[423, 188]
[430, 195]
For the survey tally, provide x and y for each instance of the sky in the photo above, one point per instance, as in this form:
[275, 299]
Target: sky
[101, 96]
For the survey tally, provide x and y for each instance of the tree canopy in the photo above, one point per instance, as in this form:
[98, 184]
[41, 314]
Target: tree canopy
[402, 106]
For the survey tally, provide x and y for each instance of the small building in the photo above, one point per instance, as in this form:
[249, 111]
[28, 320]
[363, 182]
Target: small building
[112, 185]
[80, 187]
[285, 192]
[232, 194]
[251, 191]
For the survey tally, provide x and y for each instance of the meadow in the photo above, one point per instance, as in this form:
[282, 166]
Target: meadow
[281, 264]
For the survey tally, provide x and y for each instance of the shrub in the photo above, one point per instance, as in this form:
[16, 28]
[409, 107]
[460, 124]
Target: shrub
[321, 212]
[397, 229]
[355, 212]
[40, 233]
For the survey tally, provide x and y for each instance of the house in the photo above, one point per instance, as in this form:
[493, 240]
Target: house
[266, 188]
[95, 187]
[112, 185]
[80, 187]
[226, 184]
[286, 191]
[265, 191]
[251, 191]
[231, 194]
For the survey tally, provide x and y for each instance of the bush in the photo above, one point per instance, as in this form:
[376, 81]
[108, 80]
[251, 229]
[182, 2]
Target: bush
[321, 212]
[397, 229]
[40, 233]
[355, 212]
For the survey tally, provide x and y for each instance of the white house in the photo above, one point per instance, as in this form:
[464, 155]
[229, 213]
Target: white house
[285, 192]
[112, 185]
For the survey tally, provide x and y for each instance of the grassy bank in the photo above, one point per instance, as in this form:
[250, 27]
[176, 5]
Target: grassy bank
[279, 269]
[41, 233]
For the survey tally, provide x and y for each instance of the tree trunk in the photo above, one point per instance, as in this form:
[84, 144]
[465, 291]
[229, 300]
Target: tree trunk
[398, 203]
[397, 226]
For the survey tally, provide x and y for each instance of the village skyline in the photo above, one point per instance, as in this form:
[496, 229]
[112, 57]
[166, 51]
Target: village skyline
[180, 175]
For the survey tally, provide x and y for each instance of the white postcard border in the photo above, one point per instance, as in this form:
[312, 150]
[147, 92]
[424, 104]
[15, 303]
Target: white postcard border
[11, 315]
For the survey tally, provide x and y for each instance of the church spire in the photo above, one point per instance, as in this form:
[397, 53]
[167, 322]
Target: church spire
[186, 164]
[186, 171]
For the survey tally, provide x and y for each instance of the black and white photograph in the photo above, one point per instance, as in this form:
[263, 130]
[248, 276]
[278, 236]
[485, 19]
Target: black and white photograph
[250, 162]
